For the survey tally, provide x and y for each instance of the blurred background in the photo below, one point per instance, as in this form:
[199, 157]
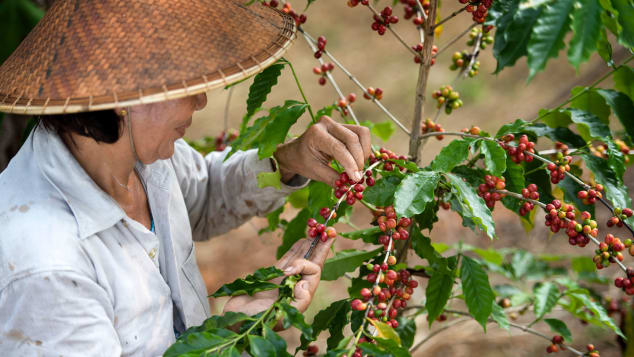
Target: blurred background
[379, 61]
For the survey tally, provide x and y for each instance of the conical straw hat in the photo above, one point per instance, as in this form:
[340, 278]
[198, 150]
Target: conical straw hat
[87, 55]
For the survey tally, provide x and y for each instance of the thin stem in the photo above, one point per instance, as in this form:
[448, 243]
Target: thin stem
[299, 86]
[245, 333]
[453, 14]
[524, 329]
[226, 121]
[474, 54]
[421, 85]
[358, 83]
[421, 10]
[389, 27]
[332, 81]
[446, 326]
[455, 39]
[585, 90]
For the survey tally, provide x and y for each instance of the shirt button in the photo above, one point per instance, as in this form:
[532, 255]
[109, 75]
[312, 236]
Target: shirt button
[152, 253]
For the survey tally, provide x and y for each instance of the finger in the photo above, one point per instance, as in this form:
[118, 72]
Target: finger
[296, 251]
[321, 171]
[302, 295]
[363, 132]
[350, 139]
[304, 267]
[321, 251]
[335, 148]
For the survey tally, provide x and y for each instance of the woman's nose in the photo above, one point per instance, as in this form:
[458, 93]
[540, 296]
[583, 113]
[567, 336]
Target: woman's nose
[201, 101]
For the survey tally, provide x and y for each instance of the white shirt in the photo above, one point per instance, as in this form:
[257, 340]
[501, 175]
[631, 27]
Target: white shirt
[80, 278]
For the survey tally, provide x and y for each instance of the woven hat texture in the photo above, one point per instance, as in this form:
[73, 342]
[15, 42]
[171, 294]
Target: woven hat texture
[87, 55]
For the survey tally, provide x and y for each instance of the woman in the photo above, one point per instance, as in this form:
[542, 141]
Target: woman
[100, 206]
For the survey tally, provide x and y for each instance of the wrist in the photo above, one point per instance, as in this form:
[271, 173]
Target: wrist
[279, 163]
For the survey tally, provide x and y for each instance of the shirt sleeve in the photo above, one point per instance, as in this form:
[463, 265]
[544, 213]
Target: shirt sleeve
[56, 313]
[221, 195]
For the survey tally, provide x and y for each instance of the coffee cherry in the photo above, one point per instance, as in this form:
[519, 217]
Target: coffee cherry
[448, 97]
[557, 339]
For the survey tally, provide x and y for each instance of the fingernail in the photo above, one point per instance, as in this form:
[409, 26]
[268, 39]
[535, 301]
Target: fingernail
[288, 270]
[357, 176]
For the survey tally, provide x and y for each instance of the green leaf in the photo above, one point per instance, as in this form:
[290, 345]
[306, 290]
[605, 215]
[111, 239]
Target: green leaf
[490, 255]
[451, 155]
[559, 327]
[382, 193]
[616, 160]
[259, 346]
[512, 40]
[604, 48]
[292, 317]
[423, 248]
[260, 89]
[499, 316]
[471, 205]
[197, 343]
[625, 9]
[295, 230]
[270, 179]
[586, 25]
[478, 294]
[230, 352]
[624, 81]
[406, 330]
[299, 198]
[339, 322]
[368, 235]
[332, 318]
[599, 313]
[385, 331]
[541, 178]
[17, 17]
[514, 176]
[438, 292]
[521, 262]
[346, 261]
[251, 284]
[622, 107]
[319, 196]
[547, 37]
[494, 157]
[546, 297]
[415, 192]
[591, 102]
[583, 265]
[555, 118]
[274, 339]
[276, 130]
[383, 130]
[589, 126]
[512, 128]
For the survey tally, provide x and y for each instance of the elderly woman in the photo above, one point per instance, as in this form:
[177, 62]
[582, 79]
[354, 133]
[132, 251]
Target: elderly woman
[101, 205]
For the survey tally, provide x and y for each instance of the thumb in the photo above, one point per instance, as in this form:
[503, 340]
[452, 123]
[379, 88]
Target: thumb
[302, 295]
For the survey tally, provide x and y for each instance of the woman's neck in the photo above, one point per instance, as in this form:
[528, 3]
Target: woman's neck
[111, 166]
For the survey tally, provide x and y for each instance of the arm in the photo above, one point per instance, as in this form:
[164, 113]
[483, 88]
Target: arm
[56, 313]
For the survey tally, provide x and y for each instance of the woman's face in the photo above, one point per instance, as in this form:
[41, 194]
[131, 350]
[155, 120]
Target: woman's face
[156, 126]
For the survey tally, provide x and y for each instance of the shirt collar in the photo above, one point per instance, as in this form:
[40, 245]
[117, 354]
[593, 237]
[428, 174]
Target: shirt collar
[93, 208]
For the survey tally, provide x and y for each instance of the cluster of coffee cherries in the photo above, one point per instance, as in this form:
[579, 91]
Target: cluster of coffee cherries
[311, 350]
[299, 18]
[322, 71]
[321, 46]
[491, 183]
[320, 230]
[387, 222]
[224, 139]
[517, 153]
[474, 130]
[448, 97]
[609, 250]
[559, 167]
[478, 9]
[461, 61]
[626, 284]
[411, 10]
[372, 93]
[383, 20]
[562, 216]
[487, 39]
[419, 58]
[556, 345]
[620, 215]
[428, 126]
[342, 103]
[591, 195]
[387, 156]
[389, 285]
[353, 3]
[529, 192]
[351, 189]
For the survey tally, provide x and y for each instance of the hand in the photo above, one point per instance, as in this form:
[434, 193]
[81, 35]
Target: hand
[292, 263]
[310, 154]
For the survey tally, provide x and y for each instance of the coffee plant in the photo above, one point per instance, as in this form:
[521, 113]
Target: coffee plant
[475, 173]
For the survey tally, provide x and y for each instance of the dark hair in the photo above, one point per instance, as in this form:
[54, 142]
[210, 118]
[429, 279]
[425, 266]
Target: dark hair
[103, 126]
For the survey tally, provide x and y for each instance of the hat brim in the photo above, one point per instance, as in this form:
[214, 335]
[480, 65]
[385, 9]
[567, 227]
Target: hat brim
[79, 57]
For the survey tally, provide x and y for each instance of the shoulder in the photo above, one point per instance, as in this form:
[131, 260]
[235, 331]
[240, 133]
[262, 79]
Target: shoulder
[39, 231]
